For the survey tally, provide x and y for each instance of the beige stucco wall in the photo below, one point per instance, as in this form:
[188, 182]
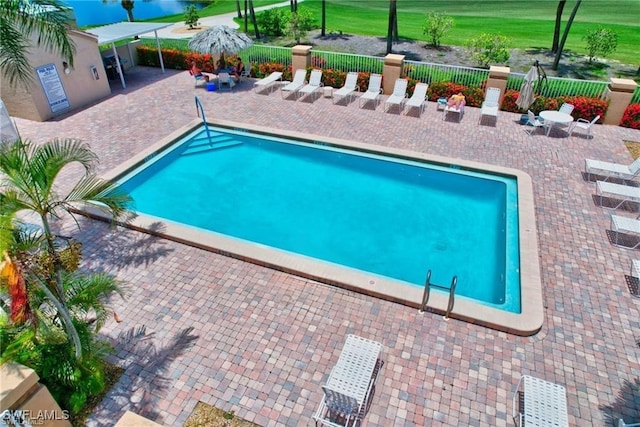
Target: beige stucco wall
[80, 86]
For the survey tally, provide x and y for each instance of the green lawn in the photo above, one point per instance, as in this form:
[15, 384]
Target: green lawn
[528, 24]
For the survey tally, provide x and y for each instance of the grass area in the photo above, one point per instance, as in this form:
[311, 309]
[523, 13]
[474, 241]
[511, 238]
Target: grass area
[529, 25]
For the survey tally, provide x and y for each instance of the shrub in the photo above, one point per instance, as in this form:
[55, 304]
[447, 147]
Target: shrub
[436, 26]
[273, 22]
[300, 23]
[444, 90]
[585, 107]
[489, 49]
[601, 41]
[509, 101]
[631, 117]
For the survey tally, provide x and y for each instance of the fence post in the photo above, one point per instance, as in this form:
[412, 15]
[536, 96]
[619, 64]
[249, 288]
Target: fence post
[619, 96]
[300, 58]
[391, 71]
[498, 78]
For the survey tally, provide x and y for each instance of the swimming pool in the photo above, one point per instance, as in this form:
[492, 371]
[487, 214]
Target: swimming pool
[341, 212]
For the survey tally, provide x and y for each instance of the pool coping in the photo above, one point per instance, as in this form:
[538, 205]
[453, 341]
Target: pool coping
[526, 323]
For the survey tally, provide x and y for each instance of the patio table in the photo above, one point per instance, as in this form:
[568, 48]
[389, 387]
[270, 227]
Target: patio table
[553, 117]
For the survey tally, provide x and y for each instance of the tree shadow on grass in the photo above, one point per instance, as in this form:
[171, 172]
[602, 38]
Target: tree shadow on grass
[626, 405]
[147, 376]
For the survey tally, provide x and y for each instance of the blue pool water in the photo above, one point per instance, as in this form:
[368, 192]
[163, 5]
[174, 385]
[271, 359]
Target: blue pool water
[391, 217]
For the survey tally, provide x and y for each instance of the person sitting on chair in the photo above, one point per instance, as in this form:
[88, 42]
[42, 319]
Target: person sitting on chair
[197, 72]
[239, 69]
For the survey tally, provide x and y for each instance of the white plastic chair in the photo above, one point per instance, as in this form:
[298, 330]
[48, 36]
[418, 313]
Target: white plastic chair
[584, 125]
[566, 108]
[225, 81]
[398, 96]
[491, 104]
[350, 86]
[418, 98]
[373, 91]
[532, 121]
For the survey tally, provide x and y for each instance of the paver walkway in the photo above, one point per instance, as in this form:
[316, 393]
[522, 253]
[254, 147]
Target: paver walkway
[261, 342]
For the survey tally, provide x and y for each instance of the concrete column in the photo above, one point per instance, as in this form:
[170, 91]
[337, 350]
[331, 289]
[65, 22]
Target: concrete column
[619, 95]
[300, 57]
[391, 71]
[24, 398]
[498, 78]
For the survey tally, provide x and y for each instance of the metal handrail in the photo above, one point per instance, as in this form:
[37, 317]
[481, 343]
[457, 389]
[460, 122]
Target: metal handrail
[200, 111]
[427, 292]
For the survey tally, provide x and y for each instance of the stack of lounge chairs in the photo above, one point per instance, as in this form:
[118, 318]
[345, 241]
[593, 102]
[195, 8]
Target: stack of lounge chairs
[625, 229]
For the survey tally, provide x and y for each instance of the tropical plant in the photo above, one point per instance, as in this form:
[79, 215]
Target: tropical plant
[436, 26]
[489, 49]
[300, 23]
[556, 28]
[274, 21]
[191, 16]
[600, 41]
[29, 184]
[25, 23]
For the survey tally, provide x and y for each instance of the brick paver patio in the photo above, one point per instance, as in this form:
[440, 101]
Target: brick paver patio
[261, 342]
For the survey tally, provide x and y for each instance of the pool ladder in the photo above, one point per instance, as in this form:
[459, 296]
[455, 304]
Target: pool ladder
[427, 291]
[200, 112]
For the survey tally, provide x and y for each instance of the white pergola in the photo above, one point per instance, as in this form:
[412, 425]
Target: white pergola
[124, 30]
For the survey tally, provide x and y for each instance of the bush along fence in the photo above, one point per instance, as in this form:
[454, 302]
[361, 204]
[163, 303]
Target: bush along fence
[590, 98]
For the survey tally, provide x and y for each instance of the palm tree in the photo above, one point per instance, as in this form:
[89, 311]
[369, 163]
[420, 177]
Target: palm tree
[128, 6]
[29, 184]
[556, 28]
[22, 22]
[392, 31]
[323, 26]
[567, 27]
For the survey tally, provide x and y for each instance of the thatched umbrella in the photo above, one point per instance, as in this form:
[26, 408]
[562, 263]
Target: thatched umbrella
[219, 39]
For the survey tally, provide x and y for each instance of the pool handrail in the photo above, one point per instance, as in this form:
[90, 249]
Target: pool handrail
[200, 111]
[427, 289]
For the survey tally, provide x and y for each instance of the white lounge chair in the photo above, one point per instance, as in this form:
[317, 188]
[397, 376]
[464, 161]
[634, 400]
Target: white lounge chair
[350, 86]
[625, 225]
[418, 98]
[622, 193]
[315, 83]
[611, 170]
[295, 85]
[373, 91]
[491, 104]
[621, 423]
[537, 402]
[267, 81]
[225, 81]
[398, 96]
[584, 125]
[348, 388]
[533, 121]
[459, 109]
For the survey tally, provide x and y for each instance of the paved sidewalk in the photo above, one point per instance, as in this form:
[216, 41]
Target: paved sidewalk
[261, 342]
[174, 31]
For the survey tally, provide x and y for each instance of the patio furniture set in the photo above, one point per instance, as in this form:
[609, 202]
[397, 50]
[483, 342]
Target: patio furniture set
[561, 118]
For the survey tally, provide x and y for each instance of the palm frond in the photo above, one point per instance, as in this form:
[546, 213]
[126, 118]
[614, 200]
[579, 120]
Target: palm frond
[102, 194]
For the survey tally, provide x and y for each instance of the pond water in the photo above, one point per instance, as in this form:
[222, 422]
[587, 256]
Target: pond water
[99, 12]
